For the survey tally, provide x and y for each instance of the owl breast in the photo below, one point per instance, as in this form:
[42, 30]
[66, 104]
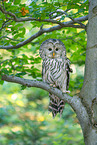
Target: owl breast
[53, 71]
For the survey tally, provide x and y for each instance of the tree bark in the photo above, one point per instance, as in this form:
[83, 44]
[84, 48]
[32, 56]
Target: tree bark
[89, 90]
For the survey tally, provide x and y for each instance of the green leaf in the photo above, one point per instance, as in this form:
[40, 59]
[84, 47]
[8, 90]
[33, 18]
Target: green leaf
[62, 18]
[23, 87]
[20, 74]
[17, 2]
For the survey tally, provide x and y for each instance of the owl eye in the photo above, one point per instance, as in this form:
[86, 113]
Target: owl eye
[57, 49]
[50, 49]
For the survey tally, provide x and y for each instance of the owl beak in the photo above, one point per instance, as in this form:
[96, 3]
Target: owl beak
[53, 54]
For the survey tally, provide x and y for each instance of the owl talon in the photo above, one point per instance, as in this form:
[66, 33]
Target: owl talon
[68, 91]
[64, 92]
[52, 85]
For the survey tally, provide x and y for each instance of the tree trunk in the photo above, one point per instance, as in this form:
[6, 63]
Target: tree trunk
[90, 137]
[89, 89]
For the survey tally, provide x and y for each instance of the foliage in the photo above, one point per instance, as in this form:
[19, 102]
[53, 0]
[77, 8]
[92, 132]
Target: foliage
[22, 116]
[20, 62]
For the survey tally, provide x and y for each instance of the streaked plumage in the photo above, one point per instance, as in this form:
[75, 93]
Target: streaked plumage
[55, 71]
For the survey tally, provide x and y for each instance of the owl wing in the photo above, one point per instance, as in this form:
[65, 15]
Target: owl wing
[68, 70]
[45, 69]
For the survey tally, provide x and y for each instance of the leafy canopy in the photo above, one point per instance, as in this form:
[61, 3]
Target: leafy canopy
[25, 60]
[19, 21]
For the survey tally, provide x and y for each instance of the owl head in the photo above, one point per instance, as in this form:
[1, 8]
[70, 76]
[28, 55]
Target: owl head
[52, 48]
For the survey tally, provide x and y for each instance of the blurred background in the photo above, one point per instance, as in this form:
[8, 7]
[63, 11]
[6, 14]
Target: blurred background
[25, 120]
[24, 116]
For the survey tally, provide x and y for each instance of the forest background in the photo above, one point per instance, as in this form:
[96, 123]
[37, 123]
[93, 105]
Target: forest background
[24, 118]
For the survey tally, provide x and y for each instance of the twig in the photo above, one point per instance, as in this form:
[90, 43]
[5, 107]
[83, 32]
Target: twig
[74, 20]
[10, 38]
[56, 15]
[4, 24]
[3, 61]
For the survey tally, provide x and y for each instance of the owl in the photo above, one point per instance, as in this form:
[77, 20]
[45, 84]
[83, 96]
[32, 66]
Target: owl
[55, 71]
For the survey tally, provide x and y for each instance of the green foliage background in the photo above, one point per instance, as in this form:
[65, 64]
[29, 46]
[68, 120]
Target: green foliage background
[24, 118]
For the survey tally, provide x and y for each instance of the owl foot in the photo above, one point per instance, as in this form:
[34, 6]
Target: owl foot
[52, 85]
[67, 91]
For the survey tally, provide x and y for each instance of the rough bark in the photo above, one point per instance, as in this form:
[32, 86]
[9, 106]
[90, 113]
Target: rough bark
[89, 89]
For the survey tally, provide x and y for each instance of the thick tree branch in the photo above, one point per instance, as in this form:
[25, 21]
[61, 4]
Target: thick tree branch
[74, 102]
[38, 84]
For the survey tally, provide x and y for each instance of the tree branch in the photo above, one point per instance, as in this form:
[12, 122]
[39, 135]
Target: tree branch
[41, 31]
[7, 12]
[40, 20]
[74, 102]
[74, 20]
[45, 30]
[5, 23]
[38, 84]
[55, 14]
[45, 20]
[10, 38]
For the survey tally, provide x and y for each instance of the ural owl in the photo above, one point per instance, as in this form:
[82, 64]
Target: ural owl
[55, 71]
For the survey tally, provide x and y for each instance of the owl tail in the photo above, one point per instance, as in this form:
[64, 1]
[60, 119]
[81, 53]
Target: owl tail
[56, 105]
